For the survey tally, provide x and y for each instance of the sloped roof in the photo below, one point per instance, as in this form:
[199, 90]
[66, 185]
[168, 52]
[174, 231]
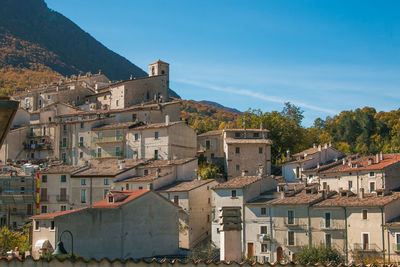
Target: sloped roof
[248, 141]
[238, 182]
[185, 186]
[120, 198]
[211, 133]
[369, 200]
[55, 214]
[107, 168]
[67, 169]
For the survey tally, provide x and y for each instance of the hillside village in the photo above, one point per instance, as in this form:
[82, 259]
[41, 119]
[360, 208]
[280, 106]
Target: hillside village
[114, 164]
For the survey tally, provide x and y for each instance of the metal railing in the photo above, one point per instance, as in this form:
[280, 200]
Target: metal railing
[106, 139]
[107, 154]
[365, 247]
[291, 221]
[38, 146]
[329, 225]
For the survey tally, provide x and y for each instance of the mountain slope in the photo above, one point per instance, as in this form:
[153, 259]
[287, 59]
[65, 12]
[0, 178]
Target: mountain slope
[217, 105]
[76, 50]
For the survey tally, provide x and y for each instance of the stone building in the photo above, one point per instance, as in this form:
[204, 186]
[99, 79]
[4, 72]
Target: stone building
[194, 197]
[149, 223]
[237, 150]
[354, 172]
[310, 158]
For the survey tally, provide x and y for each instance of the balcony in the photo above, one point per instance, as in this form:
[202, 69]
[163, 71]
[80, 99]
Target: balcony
[38, 147]
[107, 139]
[396, 248]
[107, 155]
[360, 247]
[263, 237]
[329, 225]
[62, 198]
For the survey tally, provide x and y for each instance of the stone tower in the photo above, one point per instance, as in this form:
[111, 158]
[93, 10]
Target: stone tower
[159, 68]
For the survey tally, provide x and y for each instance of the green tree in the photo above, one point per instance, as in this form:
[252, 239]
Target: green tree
[10, 239]
[321, 254]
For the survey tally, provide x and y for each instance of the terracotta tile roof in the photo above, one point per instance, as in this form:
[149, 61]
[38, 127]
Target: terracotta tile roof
[358, 164]
[67, 169]
[248, 141]
[238, 182]
[394, 222]
[369, 200]
[157, 125]
[120, 125]
[185, 186]
[248, 130]
[164, 163]
[120, 198]
[210, 133]
[302, 198]
[55, 214]
[308, 151]
[107, 168]
[146, 178]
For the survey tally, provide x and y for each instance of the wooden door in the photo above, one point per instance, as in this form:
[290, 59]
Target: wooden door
[365, 241]
[250, 250]
[279, 254]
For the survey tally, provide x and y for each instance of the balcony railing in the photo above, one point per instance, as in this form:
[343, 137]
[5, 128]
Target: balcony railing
[107, 139]
[107, 154]
[263, 237]
[329, 225]
[396, 247]
[292, 221]
[36, 135]
[365, 247]
[38, 147]
[62, 198]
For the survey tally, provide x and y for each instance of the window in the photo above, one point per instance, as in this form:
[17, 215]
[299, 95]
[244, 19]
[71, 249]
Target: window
[290, 218]
[328, 240]
[365, 241]
[372, 187]
[63, 194]
[134, 117]
[52, 225]
[140, 187]
[106, 181]
[43, 209]
[127, 187]
[237, 150]
[48, 96]
[63, 208]
[212, 155]
[263, 211]
[63, 178]
[397, 245]
[155, 135]
[208, 217]
[237, 135]
[83, 181]
[233, 193]
[156, 154]
[237, 167]
[80, 155]
[110, 199]
[82, 125]
[327, 219]
[208, 144]
[64, 127]
[136, 136]
[43, 194]
[44, 178]
[99, 152]
[372, 174]
[64, 157]
[264, 247]
[146, 172]
[105, 193]
[81, 141]
[256, 135]
[263, 230]
[64, 142]
[117, 151]
[324, 185]
[365, 214]
[37, 226]
[350, 185]
[83, 195]
[100, 135]
[176, 200]
[147, 95]
[260, 150]
[290, 238]
[209, 200]
[117, 102]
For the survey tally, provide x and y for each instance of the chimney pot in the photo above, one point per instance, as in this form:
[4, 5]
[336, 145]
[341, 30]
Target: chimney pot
[377, 158]
[381, 155]
[167, 120]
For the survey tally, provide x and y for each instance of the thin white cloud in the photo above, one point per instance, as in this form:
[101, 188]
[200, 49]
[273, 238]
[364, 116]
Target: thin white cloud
[253, 94]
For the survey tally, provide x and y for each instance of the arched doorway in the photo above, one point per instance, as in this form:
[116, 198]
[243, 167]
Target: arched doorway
[279, 253]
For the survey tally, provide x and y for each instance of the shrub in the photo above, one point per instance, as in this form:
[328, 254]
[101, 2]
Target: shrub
[321, 254]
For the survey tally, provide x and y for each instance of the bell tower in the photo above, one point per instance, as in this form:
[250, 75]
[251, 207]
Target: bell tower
[159, 68]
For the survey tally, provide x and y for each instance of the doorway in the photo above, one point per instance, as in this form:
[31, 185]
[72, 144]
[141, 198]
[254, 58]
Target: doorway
[279, 253]
[250, 250]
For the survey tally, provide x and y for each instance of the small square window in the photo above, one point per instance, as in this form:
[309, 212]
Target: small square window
[237, 150]
[63, 178]
[372, 174]
[237, 135]
[63, 208]
[44, 178]
[237, 167]
[136, 136]
[260, 150]
[37, 225]
[146, 172]
[83, 181]
[106, 181]
[52, 226]
[233, 193]
[43, 209]
[263, 211]
[156, 135]
[365, 214]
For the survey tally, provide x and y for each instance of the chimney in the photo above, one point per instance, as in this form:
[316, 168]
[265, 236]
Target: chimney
[260, 171]
[361, 193]
[319, 148]
[370, 161]
[288, 155]
[326, 146]
[244, 172]
[167, 120]
[121, 164]
[318, 166]
[381, 155]
[330, 144]
[282, 194]
[314, 145]
[131, 77]
[344, 161]
[377, 158]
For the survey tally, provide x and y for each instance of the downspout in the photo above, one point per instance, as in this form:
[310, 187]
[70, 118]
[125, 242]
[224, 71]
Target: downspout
[272, 236]
[91, 190]
[244, 228]
[383, 235]
[346, 245]
[309, 227]
[358, 184]
[388, 241]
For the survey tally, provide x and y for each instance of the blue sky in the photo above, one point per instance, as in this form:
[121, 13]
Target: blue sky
[324, 56]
